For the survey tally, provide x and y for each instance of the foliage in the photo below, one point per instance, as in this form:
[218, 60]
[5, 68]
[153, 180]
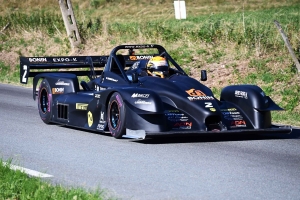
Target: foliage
[255, 29]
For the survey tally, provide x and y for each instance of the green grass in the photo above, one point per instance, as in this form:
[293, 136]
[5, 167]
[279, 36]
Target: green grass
[255, 29]
[7, 75]
[18, 185]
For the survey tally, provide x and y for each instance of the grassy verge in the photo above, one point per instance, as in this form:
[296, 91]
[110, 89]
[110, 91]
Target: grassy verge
[17, 185]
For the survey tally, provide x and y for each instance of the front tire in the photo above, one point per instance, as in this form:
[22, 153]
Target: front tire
[116, 115]
[44, 101]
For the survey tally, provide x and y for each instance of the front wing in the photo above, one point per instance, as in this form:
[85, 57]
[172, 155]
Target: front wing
[141, 134]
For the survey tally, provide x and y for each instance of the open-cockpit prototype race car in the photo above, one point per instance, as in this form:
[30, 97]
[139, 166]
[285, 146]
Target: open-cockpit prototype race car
[122, 97]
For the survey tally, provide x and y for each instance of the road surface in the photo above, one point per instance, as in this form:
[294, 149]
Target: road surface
[205, 167]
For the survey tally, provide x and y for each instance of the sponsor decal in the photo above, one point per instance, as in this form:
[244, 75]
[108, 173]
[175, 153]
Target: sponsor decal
[90, 118]
[58, 90]
[135, 65]
[100, 127]
[201, 98]
[176, 117]
[174, 114]
[132, 58]
[101, 121]
[230, 113]
[129, 47]
[229, 118]
[182, 125]
[119, 100]
[101, 124]
[197, 95]
[111, 79]
[140, 101]
[37, 59]
[229, 109]
[178, 120]
[183, 119]
[238, 123]
[138, 46]
[97, 88]
[81, 106]
[97, 96]
[64, 60]
[142, 57]
[59, 82]
[233, 117]
[137, 95]
[241, 94]
[173, 111]
[49, 102]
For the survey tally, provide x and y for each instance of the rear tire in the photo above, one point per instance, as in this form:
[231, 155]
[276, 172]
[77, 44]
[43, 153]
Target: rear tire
[116, 116]
[44, 101]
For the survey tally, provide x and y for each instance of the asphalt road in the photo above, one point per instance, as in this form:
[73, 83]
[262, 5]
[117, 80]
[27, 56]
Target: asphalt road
[206, 167]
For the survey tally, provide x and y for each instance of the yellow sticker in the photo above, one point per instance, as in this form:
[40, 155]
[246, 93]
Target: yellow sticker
[81, 106]
[90, 119]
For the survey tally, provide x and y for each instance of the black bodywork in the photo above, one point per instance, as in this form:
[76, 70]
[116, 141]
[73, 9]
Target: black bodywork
[121, 98]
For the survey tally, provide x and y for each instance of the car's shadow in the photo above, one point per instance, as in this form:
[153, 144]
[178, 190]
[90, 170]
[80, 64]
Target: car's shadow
[295, 134]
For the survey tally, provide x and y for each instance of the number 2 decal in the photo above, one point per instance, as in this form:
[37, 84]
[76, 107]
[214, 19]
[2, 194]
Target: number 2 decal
[24, 79]
[208, 104]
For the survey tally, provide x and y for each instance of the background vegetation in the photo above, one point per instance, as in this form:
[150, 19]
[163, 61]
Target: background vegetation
[235, 40]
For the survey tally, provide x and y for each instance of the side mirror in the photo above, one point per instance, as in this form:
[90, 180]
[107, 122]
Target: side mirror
[203, 75]
[134, 77]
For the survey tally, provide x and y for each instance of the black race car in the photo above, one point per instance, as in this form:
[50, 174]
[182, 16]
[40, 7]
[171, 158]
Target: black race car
[122, 97]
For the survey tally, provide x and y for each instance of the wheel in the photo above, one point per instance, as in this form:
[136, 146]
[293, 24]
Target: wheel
[116, 116]
[44, 101]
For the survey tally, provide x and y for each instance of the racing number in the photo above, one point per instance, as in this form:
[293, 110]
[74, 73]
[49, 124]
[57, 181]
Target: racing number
[208, 104]
[24, 79]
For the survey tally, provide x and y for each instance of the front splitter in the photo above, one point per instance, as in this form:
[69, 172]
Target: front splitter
[141, 134]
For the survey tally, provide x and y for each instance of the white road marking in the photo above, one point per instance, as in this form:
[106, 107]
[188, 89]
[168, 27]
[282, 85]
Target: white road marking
[28, 171]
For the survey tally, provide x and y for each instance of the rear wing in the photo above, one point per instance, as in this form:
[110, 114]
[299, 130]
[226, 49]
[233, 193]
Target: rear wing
[79, 64]
[85, 65]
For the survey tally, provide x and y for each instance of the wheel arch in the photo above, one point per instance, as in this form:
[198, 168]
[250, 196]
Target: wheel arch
[252, 100]
[141, 115]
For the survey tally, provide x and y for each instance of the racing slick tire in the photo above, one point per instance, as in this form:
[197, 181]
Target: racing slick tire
[44, 101]
[116, 115]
